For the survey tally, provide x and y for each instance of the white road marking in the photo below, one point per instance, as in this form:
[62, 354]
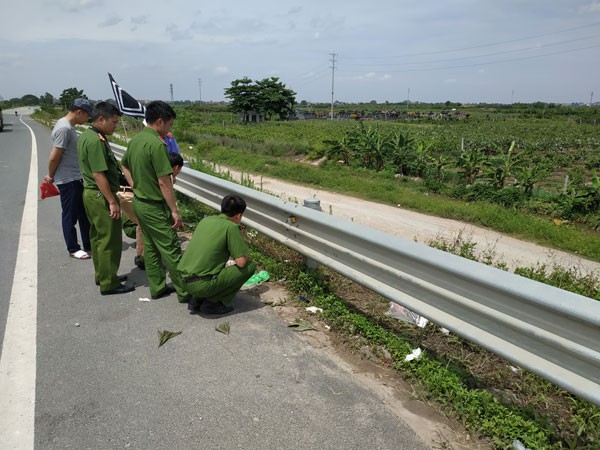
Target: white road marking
[18, 361]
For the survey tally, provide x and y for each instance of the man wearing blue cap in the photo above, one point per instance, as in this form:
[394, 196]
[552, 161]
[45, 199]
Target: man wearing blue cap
[63, 170]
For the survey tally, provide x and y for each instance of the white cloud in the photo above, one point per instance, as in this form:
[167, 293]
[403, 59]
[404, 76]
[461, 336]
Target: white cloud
[593, 6]
[221, 70]
[78, 5]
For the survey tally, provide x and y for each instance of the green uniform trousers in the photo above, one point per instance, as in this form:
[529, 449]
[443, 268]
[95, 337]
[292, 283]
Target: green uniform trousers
[105, 238]
[224, 286]
[161, 246]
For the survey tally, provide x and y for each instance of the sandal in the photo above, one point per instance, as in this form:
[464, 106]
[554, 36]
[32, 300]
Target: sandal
[80, 254]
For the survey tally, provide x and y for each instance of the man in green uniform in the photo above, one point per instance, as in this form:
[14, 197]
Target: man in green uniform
[148, 171]
[215, 264]
[101, 172]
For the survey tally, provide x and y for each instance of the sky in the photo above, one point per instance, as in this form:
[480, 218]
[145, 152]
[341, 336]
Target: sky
[468, 51]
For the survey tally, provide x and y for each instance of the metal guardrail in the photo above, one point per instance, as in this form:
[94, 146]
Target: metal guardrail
[548, 331]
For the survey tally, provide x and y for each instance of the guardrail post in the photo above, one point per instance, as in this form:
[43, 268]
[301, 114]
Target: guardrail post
[312, 203]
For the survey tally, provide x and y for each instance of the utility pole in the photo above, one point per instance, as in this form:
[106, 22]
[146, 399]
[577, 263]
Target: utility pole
[512, 95]
[200, 88]
[171, 85]
[333, 56]
[592, 98]
[407, 100]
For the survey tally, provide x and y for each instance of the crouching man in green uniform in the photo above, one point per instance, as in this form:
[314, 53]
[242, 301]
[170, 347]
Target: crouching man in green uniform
[148, 171]
[101, 172]
[215, 264]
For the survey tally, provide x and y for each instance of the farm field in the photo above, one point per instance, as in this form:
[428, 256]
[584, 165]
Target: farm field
[542, 188]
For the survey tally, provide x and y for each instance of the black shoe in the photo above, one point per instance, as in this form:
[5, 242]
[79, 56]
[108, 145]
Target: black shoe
[168, 291]
[139, 262]
[218, 309]
[121, 278]
[123, 289]
[194, 304]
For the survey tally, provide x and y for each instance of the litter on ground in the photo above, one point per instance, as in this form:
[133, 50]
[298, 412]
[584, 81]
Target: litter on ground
[414, 355]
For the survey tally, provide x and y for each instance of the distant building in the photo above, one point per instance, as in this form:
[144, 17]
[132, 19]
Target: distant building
[250, 117]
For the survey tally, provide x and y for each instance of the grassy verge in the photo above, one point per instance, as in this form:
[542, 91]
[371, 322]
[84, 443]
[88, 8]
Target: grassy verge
[548, 419]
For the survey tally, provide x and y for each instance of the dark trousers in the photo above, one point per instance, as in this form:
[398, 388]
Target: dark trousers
[73, 211]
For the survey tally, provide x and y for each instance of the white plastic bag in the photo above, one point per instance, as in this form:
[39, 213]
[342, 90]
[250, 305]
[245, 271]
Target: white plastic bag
[406, 315]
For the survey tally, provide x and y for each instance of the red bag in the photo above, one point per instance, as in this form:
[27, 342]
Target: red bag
[48, 190]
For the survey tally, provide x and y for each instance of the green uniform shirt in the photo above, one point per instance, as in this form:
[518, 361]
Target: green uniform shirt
[216, 239]
[146, 158]
[95, 155]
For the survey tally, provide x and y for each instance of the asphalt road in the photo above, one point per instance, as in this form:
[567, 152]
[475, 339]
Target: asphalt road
[101, 382]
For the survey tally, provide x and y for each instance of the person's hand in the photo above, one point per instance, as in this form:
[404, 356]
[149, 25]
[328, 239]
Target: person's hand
[177, 222]
[115, 211]
[48, 179]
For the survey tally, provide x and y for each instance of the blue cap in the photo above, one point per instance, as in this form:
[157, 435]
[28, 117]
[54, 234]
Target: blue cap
[83, 104]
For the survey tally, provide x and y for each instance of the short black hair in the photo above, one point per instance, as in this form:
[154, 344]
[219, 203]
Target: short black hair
[106, 110]
[232, 205]
[175, 159]
[159, 110]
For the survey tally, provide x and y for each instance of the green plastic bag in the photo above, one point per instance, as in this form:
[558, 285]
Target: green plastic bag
[257, 278]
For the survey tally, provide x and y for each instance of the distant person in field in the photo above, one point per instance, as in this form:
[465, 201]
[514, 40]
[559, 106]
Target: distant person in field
[63, 170]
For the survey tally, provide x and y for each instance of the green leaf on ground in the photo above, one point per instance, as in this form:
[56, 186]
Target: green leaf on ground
[223, 328]
[164, 336]
[301, 325]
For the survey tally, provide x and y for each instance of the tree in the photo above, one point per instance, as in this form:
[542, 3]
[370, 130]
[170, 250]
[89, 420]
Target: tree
[275, 98]
[29, 100]
[268, 97]
[243, 95]
[47, 99]
[68, 96]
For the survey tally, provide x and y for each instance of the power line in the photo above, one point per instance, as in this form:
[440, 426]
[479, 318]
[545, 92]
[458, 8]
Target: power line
[483, 55]
[476, 46]
[479, 64]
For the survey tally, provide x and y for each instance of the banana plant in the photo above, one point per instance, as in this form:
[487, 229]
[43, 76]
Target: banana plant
[401, 149]
[502, 166]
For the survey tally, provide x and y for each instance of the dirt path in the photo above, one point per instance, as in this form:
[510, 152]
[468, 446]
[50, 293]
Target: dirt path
[424, 228]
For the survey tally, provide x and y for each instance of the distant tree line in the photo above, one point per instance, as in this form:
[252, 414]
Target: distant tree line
[47, 100]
